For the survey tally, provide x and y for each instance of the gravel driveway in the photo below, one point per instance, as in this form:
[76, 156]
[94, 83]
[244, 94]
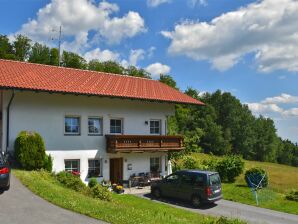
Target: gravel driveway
[21, 206]
[231, 209]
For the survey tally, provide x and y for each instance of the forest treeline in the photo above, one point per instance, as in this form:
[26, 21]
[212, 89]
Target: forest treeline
[223, 126]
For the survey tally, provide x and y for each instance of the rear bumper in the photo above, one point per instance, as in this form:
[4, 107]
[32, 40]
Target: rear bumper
[212, 200]
[4, 180]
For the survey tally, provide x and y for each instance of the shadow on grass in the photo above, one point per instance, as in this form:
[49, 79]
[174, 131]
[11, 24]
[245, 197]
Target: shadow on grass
[179, 203]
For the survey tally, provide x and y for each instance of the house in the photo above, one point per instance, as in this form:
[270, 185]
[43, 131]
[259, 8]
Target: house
[101, 125]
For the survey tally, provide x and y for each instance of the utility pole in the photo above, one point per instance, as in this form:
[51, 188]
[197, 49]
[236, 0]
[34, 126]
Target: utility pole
[59, 47]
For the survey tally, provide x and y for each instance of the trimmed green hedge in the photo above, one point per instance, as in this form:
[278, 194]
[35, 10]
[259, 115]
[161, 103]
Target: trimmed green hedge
[30, 151]
[255, 176]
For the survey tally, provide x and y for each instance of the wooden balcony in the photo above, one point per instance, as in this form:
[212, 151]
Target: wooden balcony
[143, 143]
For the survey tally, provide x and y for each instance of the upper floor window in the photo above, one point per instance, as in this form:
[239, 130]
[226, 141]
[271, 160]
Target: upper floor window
[94, 126]
[72, 125]
[116, 126]
[155, 127]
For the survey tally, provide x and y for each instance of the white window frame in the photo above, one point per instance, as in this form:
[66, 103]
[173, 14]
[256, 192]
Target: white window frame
[100, 128]
[71, 169]
[122, 126]
[150, 127]
[100, 167]
[64, 126]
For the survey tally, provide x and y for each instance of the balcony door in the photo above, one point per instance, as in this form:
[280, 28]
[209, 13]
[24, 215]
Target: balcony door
[116, 170]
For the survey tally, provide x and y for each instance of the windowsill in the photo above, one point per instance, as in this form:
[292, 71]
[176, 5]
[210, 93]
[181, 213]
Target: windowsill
[70, 134]
[90, 134]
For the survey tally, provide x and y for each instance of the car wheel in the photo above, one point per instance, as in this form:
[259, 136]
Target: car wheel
[156, 193]
[7, 188]
[196, 201]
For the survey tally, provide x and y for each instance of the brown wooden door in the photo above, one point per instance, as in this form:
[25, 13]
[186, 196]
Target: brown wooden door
[116, 170]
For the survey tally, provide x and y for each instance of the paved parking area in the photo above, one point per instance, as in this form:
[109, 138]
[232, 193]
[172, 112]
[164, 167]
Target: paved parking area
[21, 206]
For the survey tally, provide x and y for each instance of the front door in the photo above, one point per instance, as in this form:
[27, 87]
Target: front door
[116, 170]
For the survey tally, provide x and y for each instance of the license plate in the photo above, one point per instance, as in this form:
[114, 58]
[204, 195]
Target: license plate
[217, 191]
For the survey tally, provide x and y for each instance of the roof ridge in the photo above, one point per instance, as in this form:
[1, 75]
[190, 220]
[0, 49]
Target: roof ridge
[76, 69]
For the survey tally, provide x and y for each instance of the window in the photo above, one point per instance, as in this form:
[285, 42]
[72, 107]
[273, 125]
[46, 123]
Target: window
[72, 125]
[174, 178]
[116, 126]
[72, 165]
[94, 168]
[186, 179]
[155, 127]
[94, 126]
[155, 164]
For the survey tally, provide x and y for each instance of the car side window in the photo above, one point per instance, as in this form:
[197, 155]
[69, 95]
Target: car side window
[186, 179]
[198, 180]
[174, 178]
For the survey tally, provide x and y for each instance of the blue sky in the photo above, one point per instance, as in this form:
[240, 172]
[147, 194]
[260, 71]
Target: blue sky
[249, 48]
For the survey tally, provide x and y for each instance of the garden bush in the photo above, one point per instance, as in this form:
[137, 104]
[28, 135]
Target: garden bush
[229, 168]
[71, 181]
[30, 151]
[292, 195]
[189, 162]
[255, 176]
[92, 182]
[101, 193]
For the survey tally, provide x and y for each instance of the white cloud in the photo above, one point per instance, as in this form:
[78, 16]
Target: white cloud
[157, 68]
[79, 17]
[135, 56]
[259, 108]
[282, 99]
[194, 3]
[105, 55]
[266, 28]
[271, 105]
[155, 3]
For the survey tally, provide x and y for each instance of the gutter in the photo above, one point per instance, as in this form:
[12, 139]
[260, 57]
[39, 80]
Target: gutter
[7, 119]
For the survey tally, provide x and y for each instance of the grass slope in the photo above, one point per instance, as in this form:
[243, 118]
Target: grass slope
[282, 179]
[123, 209]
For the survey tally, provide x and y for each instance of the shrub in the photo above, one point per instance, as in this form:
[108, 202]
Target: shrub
[230, 167]
[189, 162]
[30, 151]
[101, 193]
[48, 164]
[71, 181]
[255, 176]
[92, 182]
[292, 195]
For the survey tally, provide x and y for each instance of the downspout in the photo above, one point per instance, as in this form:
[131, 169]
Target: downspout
[7, 119]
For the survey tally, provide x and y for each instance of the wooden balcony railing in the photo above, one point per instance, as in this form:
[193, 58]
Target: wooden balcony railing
[143, 143]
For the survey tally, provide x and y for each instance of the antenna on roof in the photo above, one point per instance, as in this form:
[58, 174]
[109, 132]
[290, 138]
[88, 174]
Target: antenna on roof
[59, 43]
[59, 47]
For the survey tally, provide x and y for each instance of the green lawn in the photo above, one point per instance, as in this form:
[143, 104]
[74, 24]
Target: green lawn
[123, 208]
[282, 179]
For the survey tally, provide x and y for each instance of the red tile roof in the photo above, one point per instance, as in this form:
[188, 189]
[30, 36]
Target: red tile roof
[37, 77]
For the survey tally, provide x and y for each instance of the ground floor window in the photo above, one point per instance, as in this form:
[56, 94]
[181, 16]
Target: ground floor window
[155, 164]
[72, 165]
[94, 168]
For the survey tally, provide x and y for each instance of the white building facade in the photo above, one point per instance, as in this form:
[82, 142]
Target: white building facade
[84, 149]
[100, 125]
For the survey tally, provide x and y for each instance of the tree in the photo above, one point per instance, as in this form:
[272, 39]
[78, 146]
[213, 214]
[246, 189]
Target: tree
[107, 66]
[54, 56]
[40, 54]
[21, 47]
[6, 51]
[168, 80]
[73, 60]
[133, 71]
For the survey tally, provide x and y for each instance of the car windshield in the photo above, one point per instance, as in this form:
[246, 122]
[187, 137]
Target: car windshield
[214, 179]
